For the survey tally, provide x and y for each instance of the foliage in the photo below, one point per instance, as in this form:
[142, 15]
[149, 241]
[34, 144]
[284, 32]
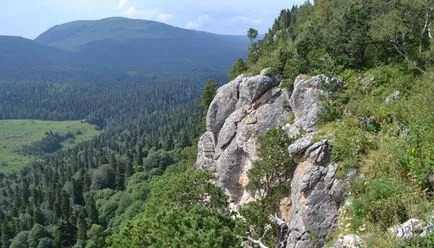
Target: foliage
[274, 167]
[252, 34]
[188, 211]
[238, 68]
[348, 145]
[269, 178]
[329, 36]
[387, 142]
[52, 142]
[207, 95]
[132, 183]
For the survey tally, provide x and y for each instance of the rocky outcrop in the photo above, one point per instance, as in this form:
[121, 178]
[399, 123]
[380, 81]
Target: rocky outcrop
[350, 241]
[316, 197]
[241, 111]
[306, 103]
[407, 230]
[412, 228]
[244, 109]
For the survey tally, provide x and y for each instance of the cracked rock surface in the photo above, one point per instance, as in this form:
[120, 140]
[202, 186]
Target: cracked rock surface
[241, 111]
[247, 107]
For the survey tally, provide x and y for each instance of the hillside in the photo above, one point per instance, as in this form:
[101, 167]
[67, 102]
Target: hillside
[27, 51]
[21, 58]
[74, 35]
[112, 48]
[145, 45]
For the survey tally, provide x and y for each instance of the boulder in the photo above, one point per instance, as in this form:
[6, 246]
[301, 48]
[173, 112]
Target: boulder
[429, 228]
[316, 197]
[306, 102]
[407, 230]
[349, 241]
[392, 98]
[253, 88]
[300, 145]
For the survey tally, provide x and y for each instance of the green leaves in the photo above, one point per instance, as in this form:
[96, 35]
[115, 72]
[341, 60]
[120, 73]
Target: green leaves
[207, 95]
[252, 34]
[275, 166]
[183, 210]
[270, 179]
[238, 68]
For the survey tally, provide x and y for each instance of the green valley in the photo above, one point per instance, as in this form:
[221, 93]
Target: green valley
[14, 134]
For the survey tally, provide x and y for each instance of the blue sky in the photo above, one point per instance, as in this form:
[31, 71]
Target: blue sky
[29, 18]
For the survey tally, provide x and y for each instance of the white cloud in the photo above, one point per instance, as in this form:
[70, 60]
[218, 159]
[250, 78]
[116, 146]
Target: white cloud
[164, 17]
[200, 22]
[131, 11]
[247, 20]
[122, 3]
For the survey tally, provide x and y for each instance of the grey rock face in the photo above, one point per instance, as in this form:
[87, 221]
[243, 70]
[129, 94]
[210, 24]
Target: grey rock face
[407, 230]
[392, 98]
[246, 108]
[252, 88]
[349, 241]
[316, 197]
[241, 111]
[306, 103]
[206, 150]
[223, 104]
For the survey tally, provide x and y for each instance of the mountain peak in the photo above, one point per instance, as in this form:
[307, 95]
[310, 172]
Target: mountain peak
[73, 35]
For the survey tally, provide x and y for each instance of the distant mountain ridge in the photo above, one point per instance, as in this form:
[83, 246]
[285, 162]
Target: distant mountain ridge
[120, 45]
[73, 35]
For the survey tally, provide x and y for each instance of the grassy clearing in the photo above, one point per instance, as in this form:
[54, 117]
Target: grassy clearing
[17, 133]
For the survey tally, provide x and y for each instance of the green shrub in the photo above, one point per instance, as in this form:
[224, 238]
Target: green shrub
[238, 68]
[358, 212]
[421, 242]
[270, 178]
[348, 144]
[381, 201]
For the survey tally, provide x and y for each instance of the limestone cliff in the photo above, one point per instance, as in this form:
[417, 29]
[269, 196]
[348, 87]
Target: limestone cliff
[247, 107]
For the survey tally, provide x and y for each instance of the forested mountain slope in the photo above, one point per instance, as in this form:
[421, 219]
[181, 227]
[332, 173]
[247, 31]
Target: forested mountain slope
[110, 48]
[23, 58]
[109, 70]
[74, 35]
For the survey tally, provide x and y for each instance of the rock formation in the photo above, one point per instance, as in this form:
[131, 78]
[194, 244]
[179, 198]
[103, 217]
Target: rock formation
[315, 194]
[350, 241]
[245, 108]
[241, 111]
